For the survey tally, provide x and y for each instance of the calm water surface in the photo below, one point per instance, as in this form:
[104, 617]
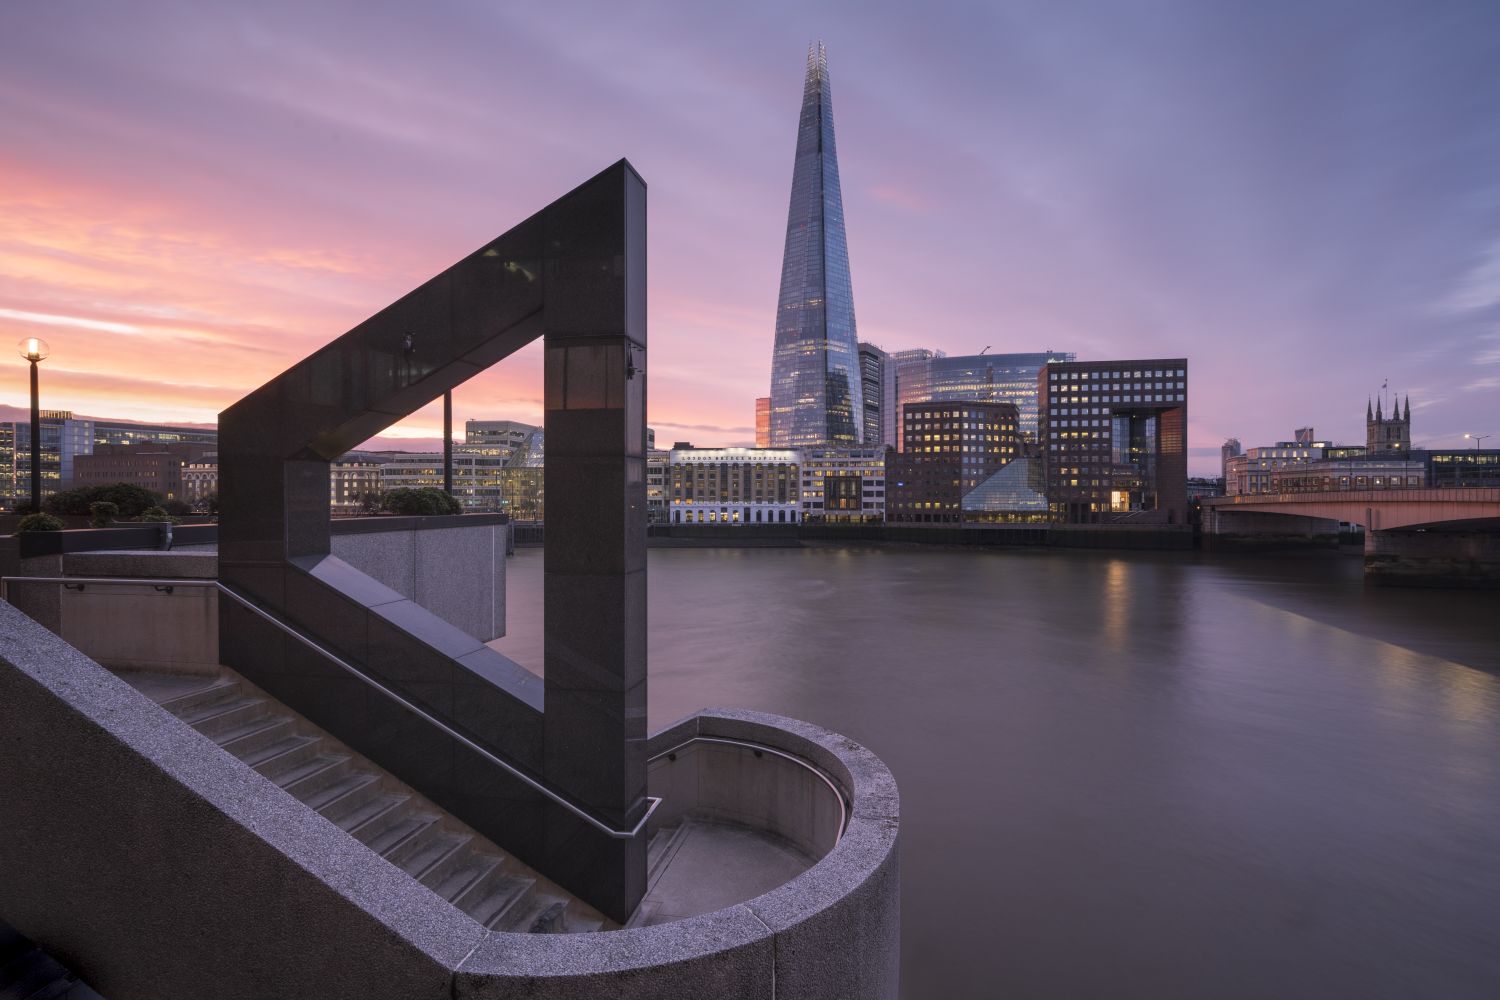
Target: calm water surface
[1128, 775]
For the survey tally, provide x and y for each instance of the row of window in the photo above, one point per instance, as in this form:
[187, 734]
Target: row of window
[1093, 376]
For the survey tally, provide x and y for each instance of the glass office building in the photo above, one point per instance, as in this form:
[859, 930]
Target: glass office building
[872, 365]
[816, 392]
[993, 378]
[1114, 440]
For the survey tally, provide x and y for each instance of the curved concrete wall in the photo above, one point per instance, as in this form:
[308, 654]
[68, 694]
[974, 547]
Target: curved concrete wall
[160, 868]
[723, 780]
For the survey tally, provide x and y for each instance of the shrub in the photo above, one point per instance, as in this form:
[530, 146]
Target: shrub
[23, 507]
[176, 508]
[39, 522]
[102, 513]
[131, 499]
[155, 515]
[420, 502]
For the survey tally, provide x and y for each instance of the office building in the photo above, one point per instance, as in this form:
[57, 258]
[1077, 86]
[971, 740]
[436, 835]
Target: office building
[354, 483]
[496, 437]
[843, 485]
[1328, 475]
[734, 485]
[658, 461]
[992, 378]
[476, 477]
[1201, 487]
[149, 465]
[1466, 467]
[523, 493]
[872, 365]
[200, 483]
[1114, 440]
[64, 437]
[817, 396]
[1229, 449]
[763, 422]
[1254, 471]
[906, 379]
[949, 449]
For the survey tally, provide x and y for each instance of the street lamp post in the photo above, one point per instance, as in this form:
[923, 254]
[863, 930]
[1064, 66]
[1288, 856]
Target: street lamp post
[1476, 438]
[34, 349]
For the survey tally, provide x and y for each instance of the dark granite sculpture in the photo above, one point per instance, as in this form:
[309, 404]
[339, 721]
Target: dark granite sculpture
[574, 274]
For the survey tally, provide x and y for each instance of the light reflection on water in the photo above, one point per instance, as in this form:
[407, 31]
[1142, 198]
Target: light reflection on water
[1128, 775]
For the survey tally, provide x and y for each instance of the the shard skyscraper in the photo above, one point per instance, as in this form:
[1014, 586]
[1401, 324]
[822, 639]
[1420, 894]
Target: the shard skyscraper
[816, 397]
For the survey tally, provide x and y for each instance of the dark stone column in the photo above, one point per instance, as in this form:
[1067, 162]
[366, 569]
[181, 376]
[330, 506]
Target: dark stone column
[595, 577]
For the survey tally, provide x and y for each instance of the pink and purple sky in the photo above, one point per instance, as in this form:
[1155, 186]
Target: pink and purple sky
[1303, 199]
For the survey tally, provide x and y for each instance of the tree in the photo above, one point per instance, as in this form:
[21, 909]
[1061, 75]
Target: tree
[39, 522]
[426, 501]
[131, 499]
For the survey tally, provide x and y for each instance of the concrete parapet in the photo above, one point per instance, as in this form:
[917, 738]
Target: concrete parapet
[157, 866]
[452, 566]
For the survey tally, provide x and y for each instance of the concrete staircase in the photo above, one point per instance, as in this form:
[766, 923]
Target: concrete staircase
[389, 818]
[28, 973]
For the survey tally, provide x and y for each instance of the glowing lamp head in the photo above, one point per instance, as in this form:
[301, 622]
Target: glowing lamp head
[34, 349]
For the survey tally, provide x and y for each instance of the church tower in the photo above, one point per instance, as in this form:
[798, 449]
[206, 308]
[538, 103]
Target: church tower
[1388, 435]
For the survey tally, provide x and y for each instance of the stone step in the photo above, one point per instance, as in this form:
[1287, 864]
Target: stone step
[420, 840]
[365, 802]
[659, 850]
[222, 689]
[370, 812]
[272, 728]
[415, 857]
[506, 895]
[466, 882]
[338, 800]
[307, 779]
[280, 757]
[217, 718]
[539, 913]
[463, 853]
[386, 831]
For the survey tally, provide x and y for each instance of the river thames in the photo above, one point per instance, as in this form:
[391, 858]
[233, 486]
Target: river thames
[1127, 775]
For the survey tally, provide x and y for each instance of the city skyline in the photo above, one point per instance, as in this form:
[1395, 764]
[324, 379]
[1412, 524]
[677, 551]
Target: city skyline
[188, 209]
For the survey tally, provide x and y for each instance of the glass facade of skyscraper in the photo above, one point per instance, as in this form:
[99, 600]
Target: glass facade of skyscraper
[993, 378]
[872, 365]
[906, 379]
[816, 392]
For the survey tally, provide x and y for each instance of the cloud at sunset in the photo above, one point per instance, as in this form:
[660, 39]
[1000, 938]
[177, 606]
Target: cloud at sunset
[194, 196]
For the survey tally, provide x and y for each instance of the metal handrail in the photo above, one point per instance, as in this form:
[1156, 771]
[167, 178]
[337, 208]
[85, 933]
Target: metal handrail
[762, 748]
[651, 801]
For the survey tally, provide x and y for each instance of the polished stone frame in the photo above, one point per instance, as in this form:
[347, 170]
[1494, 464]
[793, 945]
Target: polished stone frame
[574, 275]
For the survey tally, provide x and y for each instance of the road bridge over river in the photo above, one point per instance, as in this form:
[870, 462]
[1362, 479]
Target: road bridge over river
[1423, 536]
